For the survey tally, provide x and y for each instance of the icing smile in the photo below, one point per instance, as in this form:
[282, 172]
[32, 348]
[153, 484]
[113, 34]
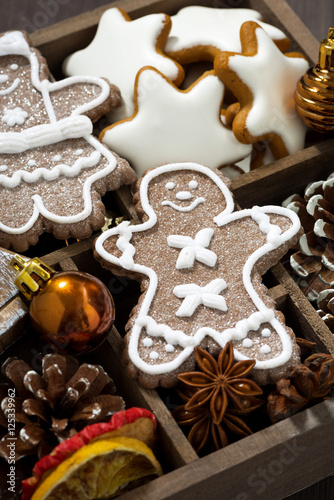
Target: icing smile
[184, 209]
[12, 87]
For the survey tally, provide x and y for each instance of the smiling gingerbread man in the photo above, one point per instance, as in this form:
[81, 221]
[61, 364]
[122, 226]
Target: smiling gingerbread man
[200, 267]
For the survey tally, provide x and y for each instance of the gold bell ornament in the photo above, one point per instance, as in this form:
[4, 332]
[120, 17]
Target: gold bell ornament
[71, 310]
[314, 96]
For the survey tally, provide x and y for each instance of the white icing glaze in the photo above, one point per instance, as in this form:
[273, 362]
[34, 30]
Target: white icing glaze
[171, 125]
[216, 27]
[193, 249]
[272, 78]
[303, 245]
[188, 208]
[194, 296]
[16, 116]
[265, 332]
[265, 349]
[183, 195]
[131, 46]
[72, 127]
[170, 185]
[169, 348]
[11, 88]
[14, 66]
[193, 185]
[147, 342]
[248, 343]
[241, 329]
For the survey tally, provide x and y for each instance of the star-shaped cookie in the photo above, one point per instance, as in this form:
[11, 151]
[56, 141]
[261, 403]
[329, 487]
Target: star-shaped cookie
[199, 33]
[264, 80]
[121, 47]
[172, 125]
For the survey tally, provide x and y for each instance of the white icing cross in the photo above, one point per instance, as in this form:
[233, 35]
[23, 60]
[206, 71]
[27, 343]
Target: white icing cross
[195, 295]
[193, 249]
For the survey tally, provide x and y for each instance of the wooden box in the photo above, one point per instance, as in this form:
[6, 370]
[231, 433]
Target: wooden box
[281, 459]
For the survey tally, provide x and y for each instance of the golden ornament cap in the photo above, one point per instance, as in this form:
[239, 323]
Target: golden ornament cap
[30, 274]
[326, 53]
[314, 95]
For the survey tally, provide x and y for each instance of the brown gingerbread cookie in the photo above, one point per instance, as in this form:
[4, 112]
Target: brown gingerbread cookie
[53, 171]
[200, 267]
[263, 79]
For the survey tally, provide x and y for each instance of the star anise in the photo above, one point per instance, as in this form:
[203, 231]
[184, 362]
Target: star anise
[203, 428]
[222, 383]
[309, 384]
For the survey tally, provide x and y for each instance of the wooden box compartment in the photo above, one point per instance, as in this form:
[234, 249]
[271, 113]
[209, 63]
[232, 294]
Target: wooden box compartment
[272, 463]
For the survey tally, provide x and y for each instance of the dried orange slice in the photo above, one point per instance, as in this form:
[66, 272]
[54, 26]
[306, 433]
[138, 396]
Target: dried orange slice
[100, 470]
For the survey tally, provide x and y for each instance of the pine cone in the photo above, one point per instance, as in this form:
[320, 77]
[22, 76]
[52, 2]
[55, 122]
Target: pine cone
[309, 384]
[314, 260]
[53, 406]
[325, 302]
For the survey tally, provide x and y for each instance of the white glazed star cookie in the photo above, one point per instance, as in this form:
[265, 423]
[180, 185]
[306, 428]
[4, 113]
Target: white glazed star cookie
[120, 48]
[264, 80]
[172, 125]
[198, 33]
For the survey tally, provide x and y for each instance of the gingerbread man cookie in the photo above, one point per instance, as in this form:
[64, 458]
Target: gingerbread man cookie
[198, 33]
[52, 169]
[121, 47]
[264, 81]
[200, 267]
[173, 125]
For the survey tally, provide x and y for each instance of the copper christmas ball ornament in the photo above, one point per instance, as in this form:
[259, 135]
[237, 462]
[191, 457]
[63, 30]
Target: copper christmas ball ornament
[71, 310]
[314, 95]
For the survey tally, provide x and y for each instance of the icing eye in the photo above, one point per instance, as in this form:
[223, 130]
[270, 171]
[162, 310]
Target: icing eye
[4, 78]
[170, 185]
[193, 185]
[14, 67]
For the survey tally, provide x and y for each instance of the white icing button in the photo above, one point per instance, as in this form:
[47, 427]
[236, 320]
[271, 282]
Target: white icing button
[79, 152]
[154, 355]
[170, 185]
[169, 348]
[147, 342]
[183, 195]
[14, 67]
[3, 168]
[31, 163]
[265, 349]
[4, 78]
[193, 185]
[265, 332]
[247, 343]
[57, 158]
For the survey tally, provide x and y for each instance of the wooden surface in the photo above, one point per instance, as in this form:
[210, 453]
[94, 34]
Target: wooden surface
[30, 15]
[235, 472]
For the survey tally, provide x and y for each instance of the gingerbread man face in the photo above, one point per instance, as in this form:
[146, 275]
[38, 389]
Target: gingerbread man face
[52, 169]
[179, 196]
[200, 265]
